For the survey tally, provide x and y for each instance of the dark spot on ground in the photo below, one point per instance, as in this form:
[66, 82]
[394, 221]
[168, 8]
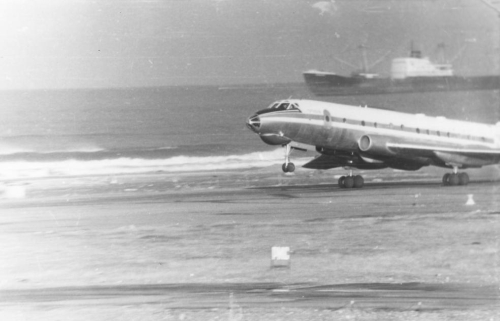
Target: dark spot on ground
[320, 219]
[232, 214]
[284, 195]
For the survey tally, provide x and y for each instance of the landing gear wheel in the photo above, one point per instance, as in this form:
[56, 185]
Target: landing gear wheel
[358, 181]
[341, 181]
[453, 179]
[446, 179]
[463, 179]
[349, 182]
[288, 168]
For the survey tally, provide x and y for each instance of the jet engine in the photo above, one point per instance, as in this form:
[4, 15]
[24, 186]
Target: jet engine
[375, 145]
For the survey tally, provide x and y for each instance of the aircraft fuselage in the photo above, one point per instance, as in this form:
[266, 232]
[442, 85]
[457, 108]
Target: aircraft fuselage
[396, 139]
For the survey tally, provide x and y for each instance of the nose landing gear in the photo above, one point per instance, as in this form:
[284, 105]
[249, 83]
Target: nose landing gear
[288, 167]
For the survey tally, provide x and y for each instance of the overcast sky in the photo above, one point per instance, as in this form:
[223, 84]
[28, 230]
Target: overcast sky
[117, 43]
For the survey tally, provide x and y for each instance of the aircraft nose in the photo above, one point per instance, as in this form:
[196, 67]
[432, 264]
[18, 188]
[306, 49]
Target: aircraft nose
[253, 122]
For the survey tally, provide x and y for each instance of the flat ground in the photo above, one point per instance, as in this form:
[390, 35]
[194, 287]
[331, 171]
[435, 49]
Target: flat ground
[197, 246]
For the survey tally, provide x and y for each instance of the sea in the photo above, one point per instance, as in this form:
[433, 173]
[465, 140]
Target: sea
[74, 132]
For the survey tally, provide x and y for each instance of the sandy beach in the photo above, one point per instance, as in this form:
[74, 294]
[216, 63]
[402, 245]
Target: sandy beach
[197, 246]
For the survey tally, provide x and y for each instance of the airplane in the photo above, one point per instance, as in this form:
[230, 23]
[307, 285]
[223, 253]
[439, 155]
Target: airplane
[369, 138]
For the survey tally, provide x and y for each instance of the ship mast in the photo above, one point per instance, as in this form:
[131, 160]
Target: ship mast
[496, 7]
[414, 53]
[365, 59]
[441, 52]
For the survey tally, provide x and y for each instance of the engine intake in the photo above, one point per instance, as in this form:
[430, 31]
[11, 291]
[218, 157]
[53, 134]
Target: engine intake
[376, 145]
[275, 139]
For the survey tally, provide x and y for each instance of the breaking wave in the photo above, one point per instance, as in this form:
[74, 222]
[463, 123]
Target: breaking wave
[124, 165]
[44, 147]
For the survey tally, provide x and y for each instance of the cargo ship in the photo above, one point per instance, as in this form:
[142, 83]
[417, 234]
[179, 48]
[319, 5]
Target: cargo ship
[408, 74]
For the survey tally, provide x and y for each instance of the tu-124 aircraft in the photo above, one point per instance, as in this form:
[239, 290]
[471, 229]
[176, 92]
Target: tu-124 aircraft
[368, 138]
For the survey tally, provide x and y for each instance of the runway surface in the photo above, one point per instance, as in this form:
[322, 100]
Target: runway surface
[405, 296]
[201, 245]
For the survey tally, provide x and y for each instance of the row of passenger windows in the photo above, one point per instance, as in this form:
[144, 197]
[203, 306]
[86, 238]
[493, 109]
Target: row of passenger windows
[408, 129]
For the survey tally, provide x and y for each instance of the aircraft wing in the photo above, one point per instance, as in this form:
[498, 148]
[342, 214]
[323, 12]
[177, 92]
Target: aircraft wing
[425, 149]
[472, 156]
[467, 156]
[324, 162]
[330, 161]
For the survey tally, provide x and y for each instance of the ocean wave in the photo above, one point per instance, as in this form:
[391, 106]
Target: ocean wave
[25, 151]
[9, 153]
[8, 149]
[37, 169]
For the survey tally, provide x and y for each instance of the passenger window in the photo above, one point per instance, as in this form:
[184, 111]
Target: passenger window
[362, 123]
[418, 131]
[344, 120]
[438, 133]
[375, 125]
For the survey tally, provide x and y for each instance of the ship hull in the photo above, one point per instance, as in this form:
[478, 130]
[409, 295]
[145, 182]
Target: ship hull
[329, 84]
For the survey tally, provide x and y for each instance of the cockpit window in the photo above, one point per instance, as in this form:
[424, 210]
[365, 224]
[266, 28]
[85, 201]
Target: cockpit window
[284, 106]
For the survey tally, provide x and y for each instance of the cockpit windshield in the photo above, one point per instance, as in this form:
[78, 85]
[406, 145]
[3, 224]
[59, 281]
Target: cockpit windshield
[280, 105]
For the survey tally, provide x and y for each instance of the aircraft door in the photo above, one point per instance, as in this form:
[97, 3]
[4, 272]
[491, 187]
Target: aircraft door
[328, 132]
[327, 119]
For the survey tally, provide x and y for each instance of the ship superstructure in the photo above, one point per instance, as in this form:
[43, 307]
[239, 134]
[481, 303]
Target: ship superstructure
[408, 74]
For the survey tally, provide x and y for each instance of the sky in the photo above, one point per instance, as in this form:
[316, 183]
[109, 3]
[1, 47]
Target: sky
[138, 43]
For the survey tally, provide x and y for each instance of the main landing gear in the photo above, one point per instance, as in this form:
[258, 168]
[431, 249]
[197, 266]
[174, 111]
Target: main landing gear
[351, 181]
[455, 178]
[288, 167]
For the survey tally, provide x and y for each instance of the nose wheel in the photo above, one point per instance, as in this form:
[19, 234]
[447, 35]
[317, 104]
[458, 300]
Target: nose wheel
[288, 167]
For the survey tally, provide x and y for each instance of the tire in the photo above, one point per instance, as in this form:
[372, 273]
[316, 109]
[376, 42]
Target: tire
[463, 179]
[290, 168]
[284, 168]
[349, 182]
[341, 181]
[446, 179]
[453, 180]
[358, 181]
